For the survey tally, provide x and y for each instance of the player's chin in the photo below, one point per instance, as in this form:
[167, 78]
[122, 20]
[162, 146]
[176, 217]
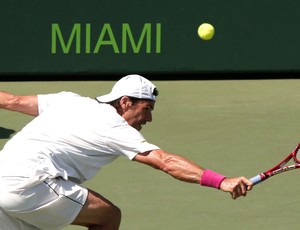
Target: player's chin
[138, 127]
[141, 126]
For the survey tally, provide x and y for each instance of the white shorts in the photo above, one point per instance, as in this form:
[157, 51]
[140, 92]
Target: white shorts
[50, 204]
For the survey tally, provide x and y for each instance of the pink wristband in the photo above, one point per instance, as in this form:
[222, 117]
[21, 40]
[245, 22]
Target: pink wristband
[211, 179]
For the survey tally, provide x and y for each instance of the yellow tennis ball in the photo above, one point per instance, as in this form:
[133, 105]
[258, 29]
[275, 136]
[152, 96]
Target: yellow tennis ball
[206, 31]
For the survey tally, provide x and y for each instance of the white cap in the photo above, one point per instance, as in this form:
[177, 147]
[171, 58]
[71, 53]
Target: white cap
[132, 86]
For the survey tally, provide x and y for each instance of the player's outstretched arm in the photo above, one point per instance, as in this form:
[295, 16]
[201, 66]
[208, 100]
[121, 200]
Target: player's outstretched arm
[23, 104]
[185, 170]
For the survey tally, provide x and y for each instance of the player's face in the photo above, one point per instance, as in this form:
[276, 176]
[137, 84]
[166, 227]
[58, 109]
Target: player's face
[139, 113]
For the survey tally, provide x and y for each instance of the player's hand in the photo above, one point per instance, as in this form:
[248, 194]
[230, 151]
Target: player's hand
[236, 186]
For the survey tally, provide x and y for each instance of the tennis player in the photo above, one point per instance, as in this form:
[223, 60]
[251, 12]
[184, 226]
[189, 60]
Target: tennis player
[71, 137]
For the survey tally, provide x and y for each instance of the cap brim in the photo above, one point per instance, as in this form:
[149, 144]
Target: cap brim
[106, 98]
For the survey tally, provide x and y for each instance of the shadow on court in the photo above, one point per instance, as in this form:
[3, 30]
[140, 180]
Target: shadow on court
[6, 133]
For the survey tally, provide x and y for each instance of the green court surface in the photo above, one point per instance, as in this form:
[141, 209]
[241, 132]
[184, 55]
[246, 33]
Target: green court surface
[235, 127]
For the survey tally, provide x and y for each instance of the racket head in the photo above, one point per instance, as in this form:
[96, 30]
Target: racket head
[296, 154]
[279, 168]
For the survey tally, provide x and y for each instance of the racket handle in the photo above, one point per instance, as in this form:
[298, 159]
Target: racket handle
[256, 179]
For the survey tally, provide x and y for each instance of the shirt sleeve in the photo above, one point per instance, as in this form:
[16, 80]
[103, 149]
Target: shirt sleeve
[125, 140]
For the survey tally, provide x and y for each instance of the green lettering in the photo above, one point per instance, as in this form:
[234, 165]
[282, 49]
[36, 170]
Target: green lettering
[146, 32]
[56, 33]
[111, 41]
[158, 38]
[88, 38]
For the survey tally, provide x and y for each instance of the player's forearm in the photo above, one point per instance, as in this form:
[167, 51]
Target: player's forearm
[23, 104]
[186, 170]
[7, 100]
[181, 168]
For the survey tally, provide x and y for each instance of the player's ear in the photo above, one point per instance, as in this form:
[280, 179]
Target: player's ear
[125, 103]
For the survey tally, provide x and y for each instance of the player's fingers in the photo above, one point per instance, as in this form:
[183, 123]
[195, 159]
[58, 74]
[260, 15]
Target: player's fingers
[237, 192]
[236, 186]
[241, 188]
[249, 186]
[234, 195]
[248, 183]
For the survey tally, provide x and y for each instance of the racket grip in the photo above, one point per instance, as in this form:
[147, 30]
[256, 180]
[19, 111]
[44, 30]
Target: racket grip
[256, 179]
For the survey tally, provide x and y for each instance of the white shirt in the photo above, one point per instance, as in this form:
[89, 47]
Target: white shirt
[72, 137]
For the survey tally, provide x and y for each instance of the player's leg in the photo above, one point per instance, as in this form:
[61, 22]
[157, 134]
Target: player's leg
[56, 203]
[98, 213]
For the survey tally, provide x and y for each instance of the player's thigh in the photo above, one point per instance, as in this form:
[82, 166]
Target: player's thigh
[97, 210]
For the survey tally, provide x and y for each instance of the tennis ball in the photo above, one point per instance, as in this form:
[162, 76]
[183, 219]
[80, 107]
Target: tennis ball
[206, 31]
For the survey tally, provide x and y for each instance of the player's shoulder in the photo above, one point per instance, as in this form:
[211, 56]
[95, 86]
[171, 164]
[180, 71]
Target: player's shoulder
[68, 94]
[61, 98]
[63, 95]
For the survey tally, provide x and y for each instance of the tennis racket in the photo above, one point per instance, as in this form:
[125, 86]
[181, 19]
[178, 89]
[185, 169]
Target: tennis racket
[279, 168]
